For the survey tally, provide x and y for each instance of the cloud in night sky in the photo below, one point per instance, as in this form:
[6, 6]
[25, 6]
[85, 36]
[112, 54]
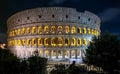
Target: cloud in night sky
[54, 2]
[60, 2]
[109, 14]
[110, 19]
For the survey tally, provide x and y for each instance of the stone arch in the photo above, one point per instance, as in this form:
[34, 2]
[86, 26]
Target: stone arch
[47, 53]
[73, 53]
[41, 52]
[78, 53]
[53, 54]
[60, 41]
[66, 53]
[60, 53]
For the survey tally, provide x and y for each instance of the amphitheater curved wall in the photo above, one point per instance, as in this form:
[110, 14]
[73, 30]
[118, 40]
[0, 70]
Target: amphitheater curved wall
[55, 32]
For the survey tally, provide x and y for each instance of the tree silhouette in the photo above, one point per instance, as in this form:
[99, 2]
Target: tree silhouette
[37, 65]
[8, 62]
[72, 69]
[104, 52]
[59, 69]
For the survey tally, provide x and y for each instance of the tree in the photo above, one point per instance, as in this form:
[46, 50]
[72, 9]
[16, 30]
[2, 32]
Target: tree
[72, 69]
[104, 52]
[23, 66]
[8, 62]
[33, 65]
[59, 69]
[36, 65]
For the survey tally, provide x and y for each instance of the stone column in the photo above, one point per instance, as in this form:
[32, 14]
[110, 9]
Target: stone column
[80, 53]
[63, 54]
[75, 53]
[70, 53]
[50, 54]
[30, 42]
[57, 54]
[43, 53]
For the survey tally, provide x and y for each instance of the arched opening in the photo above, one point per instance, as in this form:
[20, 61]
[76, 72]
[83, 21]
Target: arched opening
[60, 28]
[92, 32]
[80, 30]
[39, 41]
[33, 42]
[28, 42]
[23, 31]
[46, 53]
[78, 53]
[15, 42]
[53, 54]
[18, 32]
[53, 42]
[66, 53]
[60, 41]
[19, 42]
[46, 29]
[84, 31]
[72, 53]
[23, 42]
[15, 32]
[67, 29]
[95, 32]
[41, 52]
[79, 41]
[67, 42]
[53, 29]
[84, 42]
[33, 30]
[28, 30]
[73, 30]
[46, 42]
[60, 53]
[89, 31]
[39, 30]
[73, 42]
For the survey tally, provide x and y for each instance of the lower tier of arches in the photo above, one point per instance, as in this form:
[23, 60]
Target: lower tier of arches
[50, 53]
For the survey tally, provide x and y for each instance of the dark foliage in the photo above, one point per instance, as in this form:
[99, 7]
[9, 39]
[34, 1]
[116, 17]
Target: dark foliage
[10, 64]
[72, 69]
[104, 52]
[59, 69]
[37, 65]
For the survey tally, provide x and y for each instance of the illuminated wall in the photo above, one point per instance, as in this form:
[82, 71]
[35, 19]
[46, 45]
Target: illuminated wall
[55, 32]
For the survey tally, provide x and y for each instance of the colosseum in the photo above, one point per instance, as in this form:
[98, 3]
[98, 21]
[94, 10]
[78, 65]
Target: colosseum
[57, 33]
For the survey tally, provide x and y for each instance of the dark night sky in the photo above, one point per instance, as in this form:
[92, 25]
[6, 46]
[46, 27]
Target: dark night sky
[107, 10]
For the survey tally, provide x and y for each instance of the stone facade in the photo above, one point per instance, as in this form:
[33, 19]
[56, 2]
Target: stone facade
[57, 33]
